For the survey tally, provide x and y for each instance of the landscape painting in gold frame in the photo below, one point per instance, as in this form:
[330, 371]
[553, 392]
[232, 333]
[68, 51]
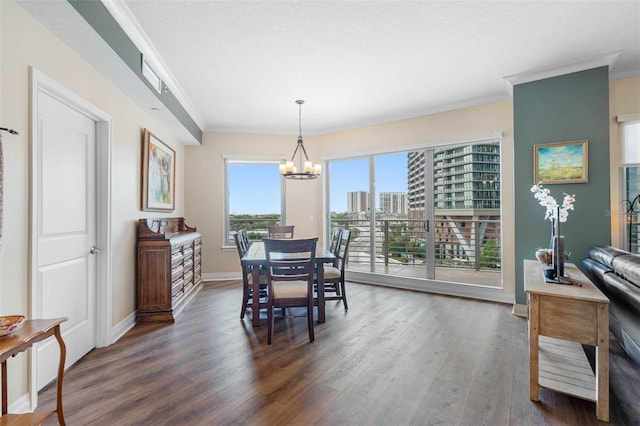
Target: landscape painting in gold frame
[560, 162]
[158, 174]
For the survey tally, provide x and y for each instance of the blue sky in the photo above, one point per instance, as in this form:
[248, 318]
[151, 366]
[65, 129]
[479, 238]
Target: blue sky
[254, 188]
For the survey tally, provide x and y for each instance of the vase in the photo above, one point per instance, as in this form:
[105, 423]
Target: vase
[558, 255]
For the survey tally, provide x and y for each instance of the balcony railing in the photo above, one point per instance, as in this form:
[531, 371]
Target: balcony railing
[464, 243]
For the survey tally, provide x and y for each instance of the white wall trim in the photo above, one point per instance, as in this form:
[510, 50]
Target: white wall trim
[608, 59]
[221, 276]
[21, 405]
[520, 310]
[492, 294]
[627, 117]
[123, 327]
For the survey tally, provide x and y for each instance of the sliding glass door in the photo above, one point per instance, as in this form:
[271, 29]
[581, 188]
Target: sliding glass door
[429, 214]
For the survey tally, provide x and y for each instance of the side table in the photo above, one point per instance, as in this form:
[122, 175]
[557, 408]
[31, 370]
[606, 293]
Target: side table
[561, 317]
[32, 331]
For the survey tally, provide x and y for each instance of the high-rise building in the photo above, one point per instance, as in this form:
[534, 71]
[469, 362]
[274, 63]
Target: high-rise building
[358, 202]
[393, 203]
[466, 197]
[464, 178]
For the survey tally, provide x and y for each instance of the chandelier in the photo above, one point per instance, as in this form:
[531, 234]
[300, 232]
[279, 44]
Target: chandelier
[300, 167]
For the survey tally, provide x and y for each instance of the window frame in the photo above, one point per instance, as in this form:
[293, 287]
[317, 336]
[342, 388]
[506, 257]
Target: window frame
[421, 284]
[624, 164]
[230, 159]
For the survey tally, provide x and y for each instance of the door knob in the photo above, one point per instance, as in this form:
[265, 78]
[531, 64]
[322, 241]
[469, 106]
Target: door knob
[94, 250]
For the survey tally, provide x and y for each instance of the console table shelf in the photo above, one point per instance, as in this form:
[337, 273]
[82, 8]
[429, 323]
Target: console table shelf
[561, 318]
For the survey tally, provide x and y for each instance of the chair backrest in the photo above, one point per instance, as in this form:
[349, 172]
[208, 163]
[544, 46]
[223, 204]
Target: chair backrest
[291, 260]
[343, 249]
[242, 242]
[335, 240]
[281, 231]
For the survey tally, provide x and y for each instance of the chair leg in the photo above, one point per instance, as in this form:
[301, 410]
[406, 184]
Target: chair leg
[344, 295]
[269, 323]
[245, 298]
[310, 322]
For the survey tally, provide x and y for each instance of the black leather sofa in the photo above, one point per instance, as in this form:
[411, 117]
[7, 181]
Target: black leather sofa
[617, 274]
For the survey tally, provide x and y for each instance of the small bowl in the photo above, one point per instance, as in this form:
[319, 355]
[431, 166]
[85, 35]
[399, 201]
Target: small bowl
[545, 256]
[9, 324]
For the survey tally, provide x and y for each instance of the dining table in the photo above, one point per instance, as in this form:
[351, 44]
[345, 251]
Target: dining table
[256, 259]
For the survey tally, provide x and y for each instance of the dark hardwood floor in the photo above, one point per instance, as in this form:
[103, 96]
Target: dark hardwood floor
[395, 358]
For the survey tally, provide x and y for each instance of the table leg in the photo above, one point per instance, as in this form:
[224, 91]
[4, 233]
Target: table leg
[321, 314]
[534, 306]
[255, 296]
[602, 363]
[63, 356]
[5, 401]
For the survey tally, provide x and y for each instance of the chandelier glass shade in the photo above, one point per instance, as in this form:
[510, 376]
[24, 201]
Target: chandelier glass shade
[300, 167]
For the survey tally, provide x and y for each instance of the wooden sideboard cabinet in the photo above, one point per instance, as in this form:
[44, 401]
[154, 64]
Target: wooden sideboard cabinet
[169, 267]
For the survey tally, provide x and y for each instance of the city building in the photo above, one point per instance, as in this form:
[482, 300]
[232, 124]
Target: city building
[393, 203]
[357, 202]
[466, 197]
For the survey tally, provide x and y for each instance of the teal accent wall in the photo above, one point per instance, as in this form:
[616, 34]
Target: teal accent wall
[103, 23]
[565, 108]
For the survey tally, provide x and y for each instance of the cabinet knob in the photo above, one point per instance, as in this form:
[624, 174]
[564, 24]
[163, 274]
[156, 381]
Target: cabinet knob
[94, 250]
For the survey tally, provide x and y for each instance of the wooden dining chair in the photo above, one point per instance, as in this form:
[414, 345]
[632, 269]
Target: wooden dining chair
[335, 241]
[290, 274]
[334, 282]
[280, 231]
[242, 245]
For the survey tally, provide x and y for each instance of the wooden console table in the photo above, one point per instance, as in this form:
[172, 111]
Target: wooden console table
[561, 317]
[32, 331]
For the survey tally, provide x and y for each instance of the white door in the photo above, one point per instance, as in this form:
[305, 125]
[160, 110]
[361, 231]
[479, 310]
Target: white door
[65, 209]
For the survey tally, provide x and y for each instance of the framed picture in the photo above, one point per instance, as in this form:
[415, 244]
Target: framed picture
[560, 162]
[158, 174]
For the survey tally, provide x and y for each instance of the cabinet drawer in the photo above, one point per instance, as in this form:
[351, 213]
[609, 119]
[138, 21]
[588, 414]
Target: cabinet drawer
[177, 285]
[176, 274]
[188, 264]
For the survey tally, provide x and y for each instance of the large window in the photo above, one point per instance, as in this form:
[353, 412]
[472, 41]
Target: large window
[428, 216]
[254, 197]
[630, 162]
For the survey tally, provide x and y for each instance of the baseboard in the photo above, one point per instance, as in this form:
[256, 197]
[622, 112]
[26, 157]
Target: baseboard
[519, 310]
[222, 276]
[492, 294]
[21, 405]
[122, 327]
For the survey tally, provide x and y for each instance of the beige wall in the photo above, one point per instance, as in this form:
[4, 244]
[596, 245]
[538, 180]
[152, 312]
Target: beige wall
[204, 194]
[205, 165]
[25, 43]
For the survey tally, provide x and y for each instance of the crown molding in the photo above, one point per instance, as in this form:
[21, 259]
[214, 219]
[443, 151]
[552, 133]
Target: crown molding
[130, 25]
[606, 60]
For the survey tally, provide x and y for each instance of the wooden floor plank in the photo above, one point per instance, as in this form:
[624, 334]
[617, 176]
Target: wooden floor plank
[395, 357]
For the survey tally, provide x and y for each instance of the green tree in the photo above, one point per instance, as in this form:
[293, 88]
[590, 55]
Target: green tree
[489, 254]
[398, 240]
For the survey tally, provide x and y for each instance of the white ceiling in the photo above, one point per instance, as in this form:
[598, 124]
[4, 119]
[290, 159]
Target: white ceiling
[240, 65]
